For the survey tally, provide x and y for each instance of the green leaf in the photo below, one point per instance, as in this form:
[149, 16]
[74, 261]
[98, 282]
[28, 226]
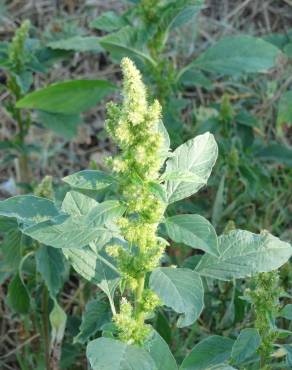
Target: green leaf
[178, 13]
[89, 180]
[108, 21]
[182, 290]
[166, 140]
[244, 254]
[214, 350]
[235, 55]
[286, 312]
[110, 354]
[28, 208]
[126, 42]
[97, 313]
[18, 298]
[245, 345]
[78, 204]
[160, 352]
[11, 248]
[105, 212]
[50, 264]
[275, 152]
[77, 43]
[95, 268]
[66, 231]
[62, 124]
[194, 231]
[218, 205]
[68, 97]
[197, 156]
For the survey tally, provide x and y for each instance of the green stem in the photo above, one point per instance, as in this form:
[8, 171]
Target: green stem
[138, 297]
[46, 334]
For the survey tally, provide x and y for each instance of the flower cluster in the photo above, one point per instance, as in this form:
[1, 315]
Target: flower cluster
[134, 126]
[265, 300]
[16, 50]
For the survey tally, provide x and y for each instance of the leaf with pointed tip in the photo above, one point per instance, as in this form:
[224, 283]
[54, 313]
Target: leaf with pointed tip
[214, 350]
[245, 345]
[194, 231]
[50, 264]
[127, 42]
[108, 21]
[244, 254]
[234, 55]
[286, 312]
[197, 156]
[66, 231]
[96, 268]
[181, 289]
[160, 352]
[18, 297]
[28, 208]
[78, 204]
[89, 180]
[68, 97]
[111, 354]
[77, 43]
[97, 313]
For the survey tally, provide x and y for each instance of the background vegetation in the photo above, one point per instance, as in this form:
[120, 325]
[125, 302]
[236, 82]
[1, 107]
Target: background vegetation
[248, 111]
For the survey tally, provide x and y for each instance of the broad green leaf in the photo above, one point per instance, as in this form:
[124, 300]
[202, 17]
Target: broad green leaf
[214, 350]
[178, 13]
[95, 268]
[194, 77]
[244, 254]
[245, 345]
[89, 180]
[18, 298]
[126, 42]
[110, 354]
[108, 21]
[28, 208]
[97, 313]
[218, 205]
[50, 264]
[286, 312]
[105, 212]
[238, 54]
[78, 204]
[62, 124]
[68, 97]
[67, 231]
[197, 156]
[77, 43]
[194, 231]
[160, 352]
[185, 176]
[11, 248]
[166, 140]
[275, 152]
[182, 290]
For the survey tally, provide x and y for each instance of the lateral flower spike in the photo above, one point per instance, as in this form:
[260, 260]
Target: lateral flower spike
[16, 48]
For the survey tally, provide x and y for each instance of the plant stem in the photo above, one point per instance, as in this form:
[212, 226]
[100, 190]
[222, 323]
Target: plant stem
[46, 334]
[138, 297]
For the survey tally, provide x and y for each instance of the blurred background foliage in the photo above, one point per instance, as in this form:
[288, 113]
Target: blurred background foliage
[248, 111]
